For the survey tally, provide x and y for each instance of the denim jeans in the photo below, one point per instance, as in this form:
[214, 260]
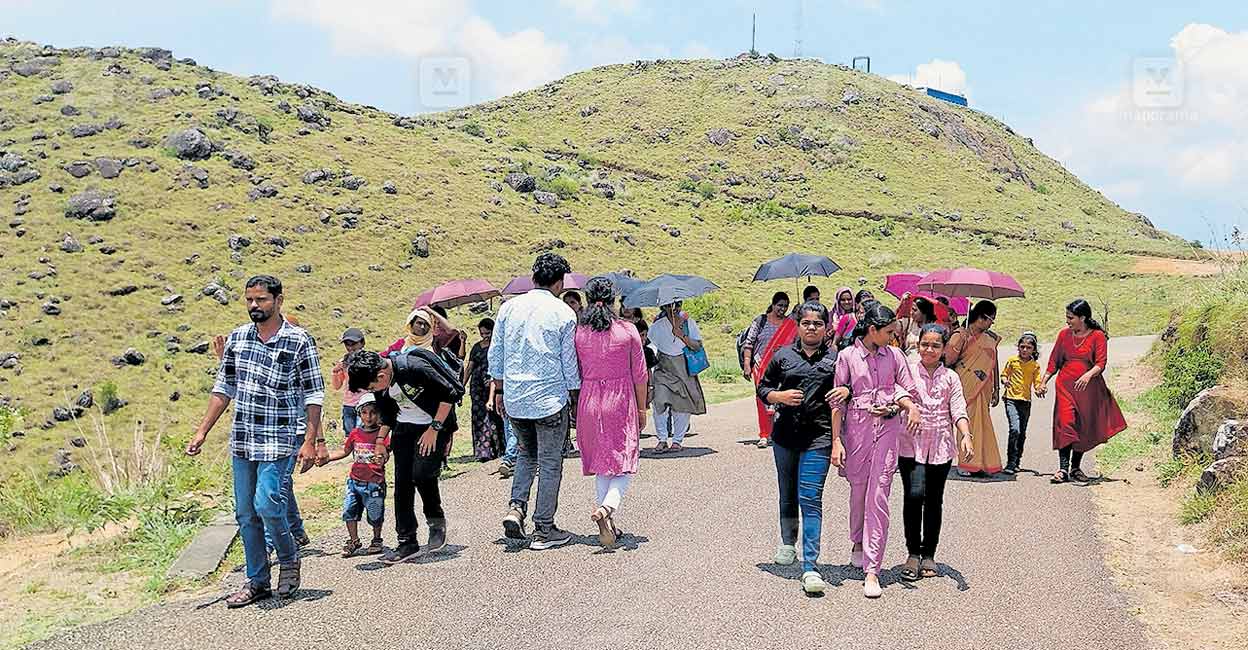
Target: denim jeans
[509, 437]
[922, 507]
[414, 473]
[1017, 413]
[294, 520]
[539, 446]
[350, 420]
[259, 505]
[801, 476]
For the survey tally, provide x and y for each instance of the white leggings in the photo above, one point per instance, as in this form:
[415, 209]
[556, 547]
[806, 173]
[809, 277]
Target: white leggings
[673, 430]
[611, 489]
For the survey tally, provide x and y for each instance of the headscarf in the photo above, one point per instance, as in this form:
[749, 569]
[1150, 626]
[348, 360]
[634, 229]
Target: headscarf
[414, 341]
[836, 311]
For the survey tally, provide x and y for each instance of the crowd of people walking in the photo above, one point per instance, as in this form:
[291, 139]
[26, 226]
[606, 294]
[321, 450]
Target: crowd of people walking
[853, 387]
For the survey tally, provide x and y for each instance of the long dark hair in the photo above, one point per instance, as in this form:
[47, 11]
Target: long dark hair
[777, 297]
[600, 295]
[1080, 307]
[924, 306]
[874, 314]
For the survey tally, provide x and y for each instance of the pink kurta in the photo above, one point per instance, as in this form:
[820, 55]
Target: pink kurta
[611, 363]
[875, 379]
[939, 398]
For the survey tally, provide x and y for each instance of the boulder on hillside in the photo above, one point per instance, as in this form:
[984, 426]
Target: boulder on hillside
[1231, 439]
[61, 87]
[548, 199]
[314, 176]
[720, 137]
[389, 188]
[265, 191]
[520, 182]
[11, 162]
[71, 245]
[85, 130]
[92, 205]
[78, 169]
[420, 246]
[239, 160]
[1220, 474]
[1198, 425]
[353, 182]
[108, 167]
[190, 144]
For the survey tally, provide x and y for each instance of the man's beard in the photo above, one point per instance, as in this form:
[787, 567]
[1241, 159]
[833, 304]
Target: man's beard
[258, 315]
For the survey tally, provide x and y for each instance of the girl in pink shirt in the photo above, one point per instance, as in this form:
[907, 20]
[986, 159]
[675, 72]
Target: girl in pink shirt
[864, 447]
[926, 456]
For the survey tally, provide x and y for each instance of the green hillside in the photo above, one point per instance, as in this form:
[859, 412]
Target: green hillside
[705, 167]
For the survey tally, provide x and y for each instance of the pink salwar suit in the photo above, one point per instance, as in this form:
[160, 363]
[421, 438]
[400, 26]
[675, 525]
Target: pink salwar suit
[875, 378]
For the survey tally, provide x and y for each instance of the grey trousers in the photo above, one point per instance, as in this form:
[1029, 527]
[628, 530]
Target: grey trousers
[539, 454]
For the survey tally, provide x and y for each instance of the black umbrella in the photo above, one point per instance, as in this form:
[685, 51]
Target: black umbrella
[795, 265]
[668, 288]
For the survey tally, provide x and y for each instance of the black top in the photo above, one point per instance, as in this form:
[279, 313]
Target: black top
[426, 380]
[808, 425]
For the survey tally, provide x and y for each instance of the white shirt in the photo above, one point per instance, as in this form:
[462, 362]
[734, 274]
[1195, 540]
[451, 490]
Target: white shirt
[534, 354]
[408, 411]
[665, 341]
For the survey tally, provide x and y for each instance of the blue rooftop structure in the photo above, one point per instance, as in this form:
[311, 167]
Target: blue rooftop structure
[944, 96]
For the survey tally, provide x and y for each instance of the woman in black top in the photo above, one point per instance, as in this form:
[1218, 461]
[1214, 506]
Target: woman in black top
[798, 381]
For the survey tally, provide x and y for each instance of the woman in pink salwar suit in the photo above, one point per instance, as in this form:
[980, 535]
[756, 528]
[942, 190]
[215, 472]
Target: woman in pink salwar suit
[866, 430]
[611, 410]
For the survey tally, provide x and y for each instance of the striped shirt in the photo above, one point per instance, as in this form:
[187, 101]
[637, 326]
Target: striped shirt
[271, 383]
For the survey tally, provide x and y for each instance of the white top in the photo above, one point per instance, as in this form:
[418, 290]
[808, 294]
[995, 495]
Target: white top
[533, 352]
[408, 411]
[666, 342]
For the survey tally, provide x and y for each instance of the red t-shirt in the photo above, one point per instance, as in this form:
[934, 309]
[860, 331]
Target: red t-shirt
[361, 445]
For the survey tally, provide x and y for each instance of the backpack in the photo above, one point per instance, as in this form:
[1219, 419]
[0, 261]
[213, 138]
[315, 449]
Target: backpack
[741, 340]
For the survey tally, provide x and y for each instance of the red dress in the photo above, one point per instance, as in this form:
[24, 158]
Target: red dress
[1089, 417]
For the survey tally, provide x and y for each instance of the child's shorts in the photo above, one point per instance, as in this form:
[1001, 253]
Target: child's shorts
[365, 499]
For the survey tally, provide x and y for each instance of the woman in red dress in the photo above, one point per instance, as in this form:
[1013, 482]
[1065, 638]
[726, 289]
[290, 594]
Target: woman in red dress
[1085, 413]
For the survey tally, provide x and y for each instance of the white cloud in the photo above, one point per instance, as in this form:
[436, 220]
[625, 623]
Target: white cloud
[698, 50]
[937, 73]
[598, 11]
[501, 63]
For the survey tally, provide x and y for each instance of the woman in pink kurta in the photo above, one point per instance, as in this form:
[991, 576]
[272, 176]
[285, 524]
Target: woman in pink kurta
[865, 446]
[611, 409]
[925, 458]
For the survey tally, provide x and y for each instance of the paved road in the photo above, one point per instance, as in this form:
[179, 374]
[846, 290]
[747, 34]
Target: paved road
[1021, 566]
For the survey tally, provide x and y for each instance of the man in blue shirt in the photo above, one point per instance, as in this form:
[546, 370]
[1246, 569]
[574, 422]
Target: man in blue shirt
[533, 365]
[270, 370]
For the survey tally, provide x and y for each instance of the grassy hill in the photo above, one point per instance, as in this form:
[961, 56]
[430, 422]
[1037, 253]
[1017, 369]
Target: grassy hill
[706, 167]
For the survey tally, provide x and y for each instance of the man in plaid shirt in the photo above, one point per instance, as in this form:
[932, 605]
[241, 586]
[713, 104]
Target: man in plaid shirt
[270, 370]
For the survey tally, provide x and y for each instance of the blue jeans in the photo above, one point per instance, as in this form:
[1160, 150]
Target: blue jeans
[294, 520]
[350, 420]
[364, 500]
[509, 436]
[259, 505]
[1017, 413]
[541, 458]
[801, 475]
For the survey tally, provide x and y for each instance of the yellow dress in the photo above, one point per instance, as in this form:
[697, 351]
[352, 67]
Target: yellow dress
[977, 368]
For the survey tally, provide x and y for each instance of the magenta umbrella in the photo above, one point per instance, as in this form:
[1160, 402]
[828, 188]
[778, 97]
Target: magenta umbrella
[524, 284]
[973, 283]
[899, 284]
[456, 293]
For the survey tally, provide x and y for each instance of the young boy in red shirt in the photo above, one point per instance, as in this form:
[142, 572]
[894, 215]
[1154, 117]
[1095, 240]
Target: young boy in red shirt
[366, 485]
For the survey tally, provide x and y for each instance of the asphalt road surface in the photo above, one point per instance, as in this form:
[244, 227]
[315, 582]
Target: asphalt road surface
[1020, 560]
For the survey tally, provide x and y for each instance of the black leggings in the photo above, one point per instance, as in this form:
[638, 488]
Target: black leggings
[1069, 459]
[923, 504]
[415, 473]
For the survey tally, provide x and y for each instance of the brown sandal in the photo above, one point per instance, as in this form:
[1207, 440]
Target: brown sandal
[352, 547]
[288, 578]
[1078, 476]
[606, 530]
[247, 595]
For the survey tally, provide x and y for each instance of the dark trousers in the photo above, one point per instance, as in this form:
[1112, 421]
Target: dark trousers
[923, 504]
[1068, 458]
[415, 473]
[1018, 414]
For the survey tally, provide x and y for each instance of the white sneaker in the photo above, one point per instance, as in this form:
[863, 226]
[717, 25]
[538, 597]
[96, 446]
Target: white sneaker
[812, 582]
[872, 589]
[785, 555]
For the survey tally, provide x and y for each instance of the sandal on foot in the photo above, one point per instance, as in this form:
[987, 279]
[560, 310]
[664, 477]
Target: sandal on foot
[1058, 477]
[351, 547]
[247, 595]
[928, 568]
[288, 579]
[606, 534]
[910, 570]
[660, 448]
[377, 547]
[1078, 476]
[675, 447]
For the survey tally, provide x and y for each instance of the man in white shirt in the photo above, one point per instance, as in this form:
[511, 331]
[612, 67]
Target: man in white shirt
[533, 365]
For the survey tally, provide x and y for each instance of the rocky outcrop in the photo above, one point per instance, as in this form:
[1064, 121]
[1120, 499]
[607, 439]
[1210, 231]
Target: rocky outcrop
[1198, 425]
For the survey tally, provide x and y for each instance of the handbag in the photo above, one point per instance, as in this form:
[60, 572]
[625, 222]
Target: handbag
[695, 362]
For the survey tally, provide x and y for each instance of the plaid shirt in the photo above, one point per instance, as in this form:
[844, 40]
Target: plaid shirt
[271, 385]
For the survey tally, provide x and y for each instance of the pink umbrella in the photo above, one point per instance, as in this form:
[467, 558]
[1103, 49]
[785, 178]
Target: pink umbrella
[524, 283]
[456, 293]
[974, 283]
[899, 284]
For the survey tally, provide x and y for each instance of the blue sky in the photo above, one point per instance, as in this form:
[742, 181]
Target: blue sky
[1068, 74]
